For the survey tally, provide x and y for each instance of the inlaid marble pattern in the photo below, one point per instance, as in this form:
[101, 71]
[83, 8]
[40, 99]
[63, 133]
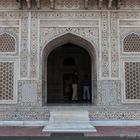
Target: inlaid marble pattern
[105, 29]
[24, 115]
[29, 93]
[114, 115]
[109, 93]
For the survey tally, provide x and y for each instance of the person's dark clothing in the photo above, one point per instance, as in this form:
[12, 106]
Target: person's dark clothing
[75, 79]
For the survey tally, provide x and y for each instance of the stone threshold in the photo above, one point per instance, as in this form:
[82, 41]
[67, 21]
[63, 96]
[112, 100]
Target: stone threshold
[69, 127]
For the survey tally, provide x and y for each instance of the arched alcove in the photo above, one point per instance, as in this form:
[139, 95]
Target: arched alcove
[68, 45]
[131, 43]
[7, 43]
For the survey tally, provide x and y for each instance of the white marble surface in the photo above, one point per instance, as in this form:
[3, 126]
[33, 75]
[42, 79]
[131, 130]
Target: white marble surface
[69, 127]
[69, 121]
[94, 123]
[69, 116]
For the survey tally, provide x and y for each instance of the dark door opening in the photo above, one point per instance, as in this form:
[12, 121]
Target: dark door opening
[61, 63]
[67, 89]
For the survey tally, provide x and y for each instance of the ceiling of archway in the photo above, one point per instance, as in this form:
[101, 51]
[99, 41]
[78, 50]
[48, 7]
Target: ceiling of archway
[69, 48]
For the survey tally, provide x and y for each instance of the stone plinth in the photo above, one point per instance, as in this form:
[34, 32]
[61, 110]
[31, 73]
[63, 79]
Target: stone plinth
[69, 121]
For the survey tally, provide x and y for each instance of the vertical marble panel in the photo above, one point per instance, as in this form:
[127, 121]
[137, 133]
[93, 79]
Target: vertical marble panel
[114, 46]
[24, 47]
[34, 45]
[104, 45]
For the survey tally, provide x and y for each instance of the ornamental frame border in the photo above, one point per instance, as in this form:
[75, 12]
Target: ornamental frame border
[41, 48]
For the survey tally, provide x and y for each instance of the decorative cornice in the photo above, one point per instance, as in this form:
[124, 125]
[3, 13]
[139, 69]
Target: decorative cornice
[86, 3]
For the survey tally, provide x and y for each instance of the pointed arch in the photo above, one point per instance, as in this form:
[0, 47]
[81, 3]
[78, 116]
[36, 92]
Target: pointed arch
[69, 38]
[131, 43]
[59, 41]
[7, 43]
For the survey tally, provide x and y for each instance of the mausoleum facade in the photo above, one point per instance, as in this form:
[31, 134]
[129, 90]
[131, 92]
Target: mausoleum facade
[43, 41]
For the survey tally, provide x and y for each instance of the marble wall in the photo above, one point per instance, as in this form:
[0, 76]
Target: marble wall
[100, 32]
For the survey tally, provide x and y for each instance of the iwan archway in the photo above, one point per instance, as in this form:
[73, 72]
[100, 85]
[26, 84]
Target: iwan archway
[61, 57]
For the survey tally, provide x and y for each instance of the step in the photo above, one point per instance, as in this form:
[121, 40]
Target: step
[69, 121]
[69, 129]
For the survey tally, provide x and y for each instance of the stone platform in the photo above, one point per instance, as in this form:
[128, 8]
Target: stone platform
[69, 121]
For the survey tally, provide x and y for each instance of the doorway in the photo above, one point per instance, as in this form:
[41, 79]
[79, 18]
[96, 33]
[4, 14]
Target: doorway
[62, 62]
[61, 57]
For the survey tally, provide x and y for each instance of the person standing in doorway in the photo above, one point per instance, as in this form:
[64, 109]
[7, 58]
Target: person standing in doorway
[70, 88]
[74, 86]
[86, 89]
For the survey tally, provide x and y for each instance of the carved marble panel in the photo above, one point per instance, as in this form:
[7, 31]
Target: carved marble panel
[71, 15]
[94, 115]
[7, 81]
[24, 48]
[67, 4]
[34, 46]
[124, 32]
[114, 115]
[14, 33]
[129, 15]
[25, 115]
[109, 93]
[114, 46]
[29, 93]
[130, 4]
[8, 4]
[7, 43]
[104, 45]
[47, 34]
[45, 4]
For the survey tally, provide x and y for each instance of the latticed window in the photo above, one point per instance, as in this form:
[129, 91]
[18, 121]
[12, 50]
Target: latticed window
[6, 80]
[132, 80]
[7, 43]
[131, 43]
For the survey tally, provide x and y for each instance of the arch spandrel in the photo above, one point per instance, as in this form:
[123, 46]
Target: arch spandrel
[69, 38]
[49, 34]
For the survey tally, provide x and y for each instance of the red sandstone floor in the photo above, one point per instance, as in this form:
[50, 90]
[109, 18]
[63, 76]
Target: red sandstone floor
[101, 131]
